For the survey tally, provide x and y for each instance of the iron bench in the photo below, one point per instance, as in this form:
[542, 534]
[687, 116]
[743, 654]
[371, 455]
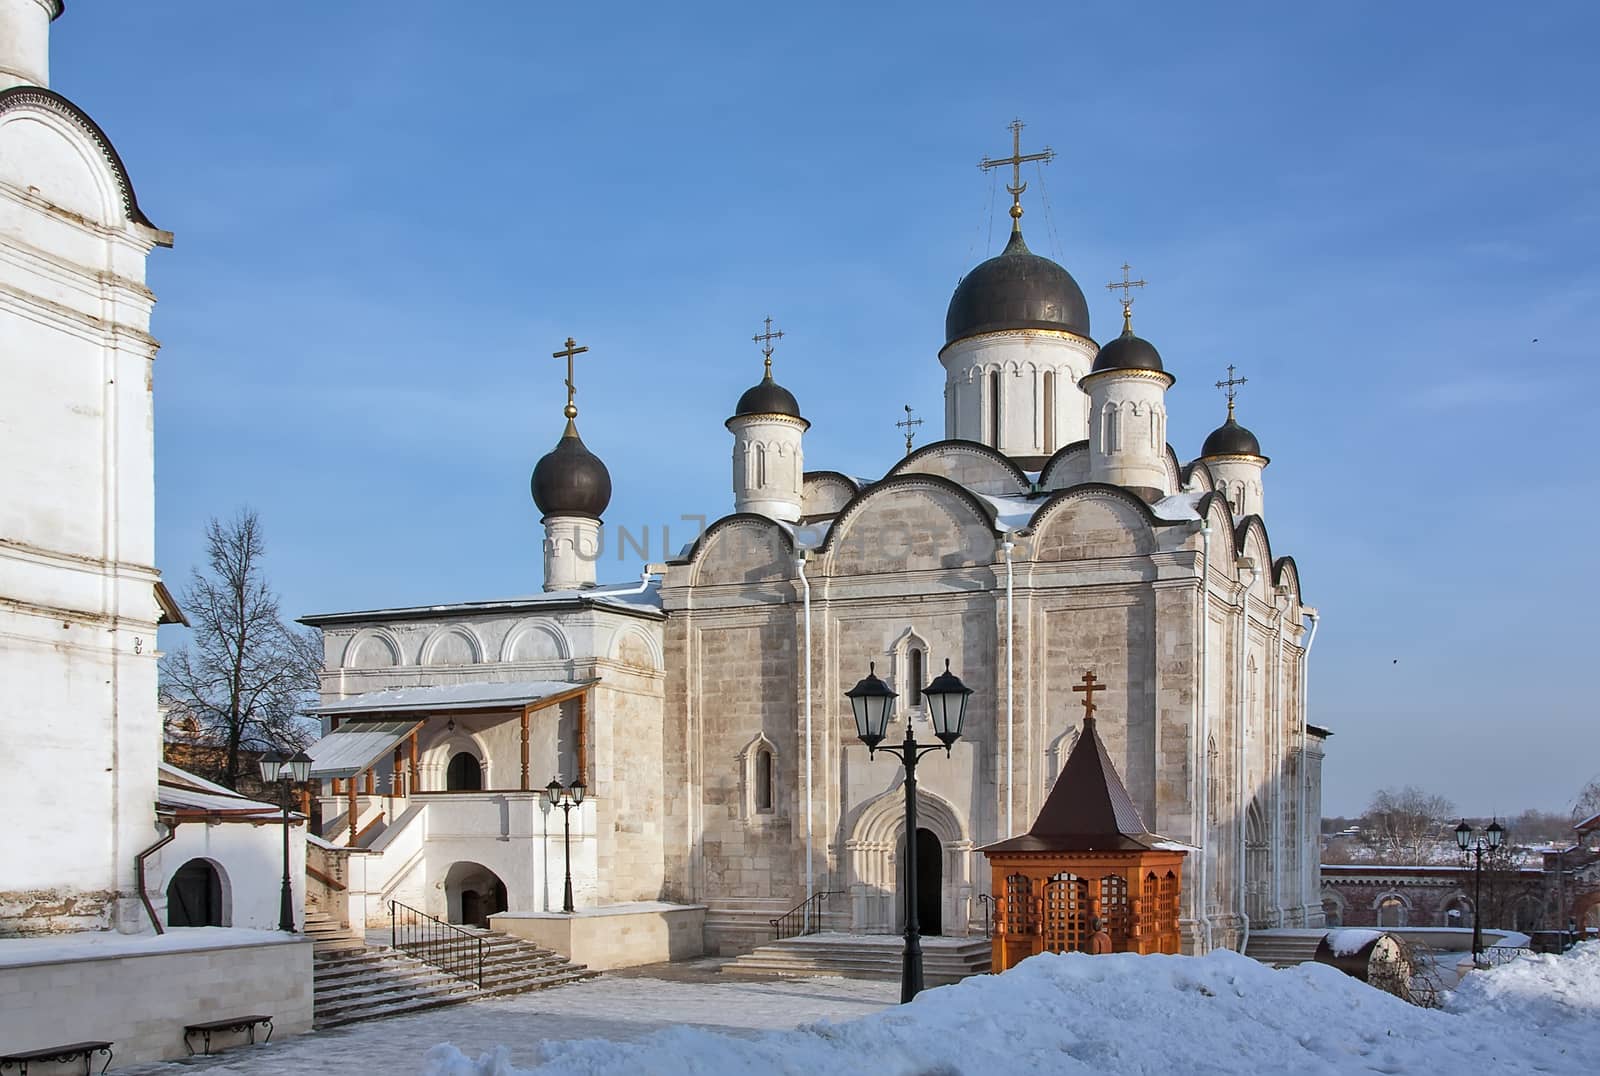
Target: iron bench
[233, 1023]
[70, 1052]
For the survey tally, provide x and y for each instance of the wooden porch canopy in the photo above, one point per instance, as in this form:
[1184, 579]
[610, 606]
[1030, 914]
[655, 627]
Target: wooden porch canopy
[1089, 862]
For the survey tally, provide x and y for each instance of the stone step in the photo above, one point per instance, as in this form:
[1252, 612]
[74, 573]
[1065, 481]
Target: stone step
[873, 957]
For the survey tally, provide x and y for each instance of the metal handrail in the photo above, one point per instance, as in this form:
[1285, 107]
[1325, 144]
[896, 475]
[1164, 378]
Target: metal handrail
[807, 915]
[988, 916]
[431, 940]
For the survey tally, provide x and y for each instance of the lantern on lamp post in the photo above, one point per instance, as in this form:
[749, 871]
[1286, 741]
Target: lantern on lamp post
[872, 704]
[1467, 842]
[285, 771]
[566, 798]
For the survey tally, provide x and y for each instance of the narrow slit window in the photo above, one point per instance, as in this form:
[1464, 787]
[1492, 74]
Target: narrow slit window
[994, 408]
[763, 780]
[914, 690]
[1049, 411]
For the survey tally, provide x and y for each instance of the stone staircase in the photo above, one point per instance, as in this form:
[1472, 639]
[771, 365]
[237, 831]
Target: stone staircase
[863, 956]
[329, 937]
[1282, 948]
[378, 980]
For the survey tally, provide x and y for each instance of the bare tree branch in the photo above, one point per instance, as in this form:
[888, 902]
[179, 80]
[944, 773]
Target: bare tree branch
[246, 676]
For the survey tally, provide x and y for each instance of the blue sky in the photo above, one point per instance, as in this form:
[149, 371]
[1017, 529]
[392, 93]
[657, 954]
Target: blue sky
[389, 214]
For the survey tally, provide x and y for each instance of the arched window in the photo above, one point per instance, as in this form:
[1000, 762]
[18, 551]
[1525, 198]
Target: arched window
[994, 408]
[763, 780]
[1391, 912]
[1213, 780]
[1110, 430]
[914, 667]
[761, 467]
[1049, 411]
[464, 773]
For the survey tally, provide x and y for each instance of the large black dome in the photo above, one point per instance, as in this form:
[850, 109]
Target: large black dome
[570, 480]
[1231, 439]
[767, 398]
[1017, 290]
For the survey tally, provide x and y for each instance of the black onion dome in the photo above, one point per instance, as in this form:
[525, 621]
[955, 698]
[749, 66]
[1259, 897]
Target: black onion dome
[1127, 352]
[570, 480]
[1231, 439]
[1016, 290]
[767, 398]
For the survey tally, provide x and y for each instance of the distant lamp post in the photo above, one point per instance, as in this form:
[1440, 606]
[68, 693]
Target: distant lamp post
[1467, 842]
[872, 702]
[285, 771]
[566, 798]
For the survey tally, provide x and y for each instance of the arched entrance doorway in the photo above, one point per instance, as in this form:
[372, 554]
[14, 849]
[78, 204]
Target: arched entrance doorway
[875, 863]
[473, 893]
[464, 774]
[194, 896]
[1256, 866]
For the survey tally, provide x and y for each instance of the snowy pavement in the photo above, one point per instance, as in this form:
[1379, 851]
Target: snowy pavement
[612, 1007]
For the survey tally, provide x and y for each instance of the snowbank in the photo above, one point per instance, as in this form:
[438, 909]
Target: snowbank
[1222, 1014]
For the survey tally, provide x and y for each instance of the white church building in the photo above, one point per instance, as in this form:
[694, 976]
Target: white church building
[1052, 531]
[118, 869]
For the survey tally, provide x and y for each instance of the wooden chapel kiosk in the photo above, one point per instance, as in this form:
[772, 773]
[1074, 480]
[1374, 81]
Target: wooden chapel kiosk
[1087, 864]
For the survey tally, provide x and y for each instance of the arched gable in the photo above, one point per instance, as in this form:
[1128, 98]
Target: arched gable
[742, 548]
[1067, 468]
[536, 639]
[1174, 471]
[882, 819]
[455, 644]
[632, 645]
[910, 522]
[114, 198]
[969, 464]
[1197, 475]
[372, 648]
[1214, 512]
[1250, 539]
[1093, 520]
[1286, 574]
[826, 492]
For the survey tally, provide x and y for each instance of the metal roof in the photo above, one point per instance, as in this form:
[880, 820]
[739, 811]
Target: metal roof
[355, 746]
[440, 698]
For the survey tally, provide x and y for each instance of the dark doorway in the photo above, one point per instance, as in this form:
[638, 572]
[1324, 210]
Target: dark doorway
[464, 774]
[194, 896]
[930, 883]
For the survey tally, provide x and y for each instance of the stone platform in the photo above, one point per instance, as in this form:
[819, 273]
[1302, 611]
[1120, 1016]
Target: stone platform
[864, 956]
[615, 935]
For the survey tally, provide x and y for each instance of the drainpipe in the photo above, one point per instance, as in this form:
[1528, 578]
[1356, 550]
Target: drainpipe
[1202, 767]
[1008, 546]
[650, 572]
[805, 590]
[138, 871]
[1305, 761]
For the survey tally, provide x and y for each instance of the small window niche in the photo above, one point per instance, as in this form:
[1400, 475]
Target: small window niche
[758, 779]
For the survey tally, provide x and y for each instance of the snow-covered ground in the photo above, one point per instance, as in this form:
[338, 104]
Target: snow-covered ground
[1222, 1014]
[1059, 1014]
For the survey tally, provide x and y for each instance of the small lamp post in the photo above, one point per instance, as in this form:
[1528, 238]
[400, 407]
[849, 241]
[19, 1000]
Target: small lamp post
[872, 702]
[286, 771]
[566, 798]
[1467, 842]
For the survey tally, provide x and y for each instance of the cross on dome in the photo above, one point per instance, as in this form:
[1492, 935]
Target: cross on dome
[1231, 386]
[572, 348]
[765, 339]
[909, 424]
[1016, 161]
[1126, 286]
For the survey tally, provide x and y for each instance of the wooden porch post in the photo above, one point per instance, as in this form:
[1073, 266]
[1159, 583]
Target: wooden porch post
[370, 782]
[525, 712]
[351, 812]
[416, 780]
[583, 737]
[399, 773]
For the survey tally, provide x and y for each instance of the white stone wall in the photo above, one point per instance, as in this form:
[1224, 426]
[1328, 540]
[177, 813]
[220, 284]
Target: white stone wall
[248, 857]
[77, 558]
[1239, 479]
[1128, 429]
[1017, 362]
[571, 550]
[141, 1000]
[768, 465]
[25, 42]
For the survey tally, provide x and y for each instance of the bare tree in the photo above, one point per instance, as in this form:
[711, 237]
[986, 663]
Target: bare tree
[1403, 825]
[247, 675]
[1587, 805]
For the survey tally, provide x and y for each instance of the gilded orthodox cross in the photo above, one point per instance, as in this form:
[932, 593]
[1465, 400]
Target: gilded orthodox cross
[910, 425]
[1126, 286]
[1089, 686]
[1230, 386]
[1016, 161]
[765, 339]
[572, 348]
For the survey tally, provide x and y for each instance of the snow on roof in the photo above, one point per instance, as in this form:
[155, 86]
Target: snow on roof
[178, 789]
[1011, 513]
[480, 695]
[357, 745]
[1179, 506]
[619, 596]
[102, 944]
[1592, 822]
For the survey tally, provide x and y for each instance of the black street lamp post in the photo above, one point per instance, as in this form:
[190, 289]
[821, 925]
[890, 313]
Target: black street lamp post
[872, 702]
[1490, 839]
[286, 771]
[566, 798]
